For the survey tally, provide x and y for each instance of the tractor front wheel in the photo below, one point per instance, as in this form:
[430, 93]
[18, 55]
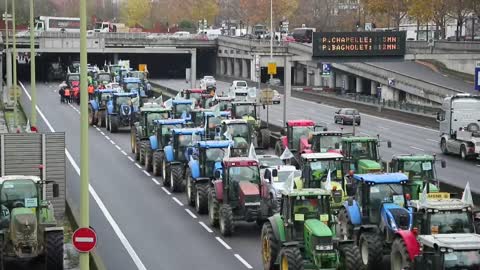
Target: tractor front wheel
[270, 247]
[399, 258]
[148, 157]
[226, 220]
[54, 251]
[350, 257]
[291, 259]
[165, 172]
[141, 159]
[344, 227]
[114, 123]
[371, 246]
[157, 163]
[133, 139]
[201, 198]
[176, 178]
[190, 190]
[212, 208]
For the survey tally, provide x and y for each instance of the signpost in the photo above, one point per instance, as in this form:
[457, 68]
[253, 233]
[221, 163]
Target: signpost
[477, 76]
[84, 239]
[272, 68]
[266, 100]
[326, 70]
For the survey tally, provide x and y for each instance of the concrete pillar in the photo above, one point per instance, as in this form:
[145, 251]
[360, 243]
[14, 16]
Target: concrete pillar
[317, 77]
[237, 68]
[193, 69]
[332, 79]
[359, 85]
[9, 69]
[229, 67]
[245, 68]
[115, 58]
[373, 88]
[388, 93]
[299, 75]
[309, 75]
[346, 82]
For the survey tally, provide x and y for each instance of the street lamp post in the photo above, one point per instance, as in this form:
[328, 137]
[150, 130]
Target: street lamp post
[15, 92]
[33, 87]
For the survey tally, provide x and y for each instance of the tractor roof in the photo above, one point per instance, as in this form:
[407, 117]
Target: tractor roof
[125, 94]
[239, 162]
[182, 101]
[194, 90]
[359, 139]
[306, 192]
[222, 113]
[383, 178]
[457, 241]
[234, 121]
[414, 157]
[322, 156]
[214, 144]
[131, 80]
[300, 123]
[147, 107]
[169, 121]
[244, 103]
[35, 179]
[225, 98]
[441, 204]
[188, 131]
[328, 133]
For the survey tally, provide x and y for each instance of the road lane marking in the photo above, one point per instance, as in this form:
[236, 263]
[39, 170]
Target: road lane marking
[155, 181]
[123, 239]
[205, 227]
[123, 152]
[146, 173]
[136, 164]
[131, 159]
[177, 201]
[166, 191]
[416, 148]
[242, 260]
[106, 137]
[432, 140]
[118, 147]
[101, 132]
[220, 240]
[98, 129]
[190, 213]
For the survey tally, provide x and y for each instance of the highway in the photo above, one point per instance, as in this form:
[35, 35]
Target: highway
[139, 223]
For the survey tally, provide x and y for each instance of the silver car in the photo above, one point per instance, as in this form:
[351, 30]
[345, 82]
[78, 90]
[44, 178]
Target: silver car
[275, 180]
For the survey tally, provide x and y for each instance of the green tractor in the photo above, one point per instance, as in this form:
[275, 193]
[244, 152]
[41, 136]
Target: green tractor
[143, 129]
[362, 154]
[326, 141]
[420, 170]
[301, 236]
[28, 228]
[238, 131]
[248, 111]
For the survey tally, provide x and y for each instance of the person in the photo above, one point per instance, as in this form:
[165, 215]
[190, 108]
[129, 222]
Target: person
[67, 94]
[76, 94]
[62, 95]
[90, 91]
[102, 86]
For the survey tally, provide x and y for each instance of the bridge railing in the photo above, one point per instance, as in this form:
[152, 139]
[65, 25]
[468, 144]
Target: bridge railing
[442, 46]
[250, 42]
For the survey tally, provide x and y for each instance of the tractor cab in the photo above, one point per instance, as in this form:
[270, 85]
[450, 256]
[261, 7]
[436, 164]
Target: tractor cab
[420, 170]
[120, 102]
[362, 154]
[163, 132]
[225, 102]
[133, 85]
[181, 108]
[325, 170]
[210, 155]
[326, 141]
[195, 94]
[240, 133]
[102, 96]
[73, 80]
[211, 122]
[102, 78]
[182, 139]
[244, 110]
[197, 116]
[148, 114]
[122, 74]
[296, 137]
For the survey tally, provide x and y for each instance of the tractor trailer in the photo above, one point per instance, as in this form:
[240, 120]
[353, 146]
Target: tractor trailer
[460, 126]
[57, 24]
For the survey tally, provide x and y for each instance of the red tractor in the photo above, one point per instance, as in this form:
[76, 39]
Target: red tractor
[201, 96]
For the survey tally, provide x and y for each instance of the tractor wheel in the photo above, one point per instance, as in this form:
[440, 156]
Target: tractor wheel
[399, 258]
[107, 120]
[148, 157]
[344, 227]
[371, 246]
[270, 247]
[176, 179]
[278, 148]
[226, 220]
[265, 133]
[91, 116]
[113, 123]
[463, 152]
[54, 248]
[141, 159]
[350, 257]
[190, 188]
[201, 198]
[291, 259]
[137, 148]
[165, 172]
[213, 207]
[157, 163]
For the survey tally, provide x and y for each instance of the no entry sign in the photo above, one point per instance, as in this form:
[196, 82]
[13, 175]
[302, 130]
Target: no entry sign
[84, 239]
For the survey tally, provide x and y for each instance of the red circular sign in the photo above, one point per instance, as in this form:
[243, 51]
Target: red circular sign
[84, 239]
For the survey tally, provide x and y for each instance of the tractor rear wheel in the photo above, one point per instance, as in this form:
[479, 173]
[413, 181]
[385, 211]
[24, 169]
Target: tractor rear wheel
[137, 148]
[141, 159]
[176, 178]
[226, 220]
[399, 258]
[213, 208]
[190, 188]
[371, 246]
[54, 251]
[114, 123]
[344, 227]
[165, 172]
[270, 247]
[148, 157]
[157, 163]
[350, 257]
[265, 133]
[201, 198]
[291, 259]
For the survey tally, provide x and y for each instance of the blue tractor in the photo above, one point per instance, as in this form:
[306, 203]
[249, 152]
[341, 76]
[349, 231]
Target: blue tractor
[212, 122]
[120, 111]
[206, 159]
[176, 156]
[377, 216]
[133, 85]
[97, 107]
[181, 108]
[160, 139]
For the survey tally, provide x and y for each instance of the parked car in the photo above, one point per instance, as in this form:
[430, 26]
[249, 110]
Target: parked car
[288, 38]
[346, 116]
[181, 35]
[274, 82]
[276, 97]
[207, 81]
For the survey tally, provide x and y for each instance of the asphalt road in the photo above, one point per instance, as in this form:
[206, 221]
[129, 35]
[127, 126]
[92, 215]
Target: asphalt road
[140, 225]
[406, 138]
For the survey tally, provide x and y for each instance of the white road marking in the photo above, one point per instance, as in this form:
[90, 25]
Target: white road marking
[242, 260]
[155, 181]
[123, 152]
[99, 129]
[432, 140]
[131, 159]
[220, 240]
[205, 227]
[177, 201]
[123, 239]
[95, 126]
[112, 142]
[166, 191]
[416, 148]
[136, 164]
[118, 147]
[108, 138]
[101, 132]
[146, 173]
[190, 213]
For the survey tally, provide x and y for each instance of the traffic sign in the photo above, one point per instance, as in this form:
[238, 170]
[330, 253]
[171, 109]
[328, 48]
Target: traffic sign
[326, 69]
[266, 96]
[477, 78]
[272, 68]
[84, 239]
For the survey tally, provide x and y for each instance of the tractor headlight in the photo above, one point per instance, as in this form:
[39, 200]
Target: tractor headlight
[323, 247]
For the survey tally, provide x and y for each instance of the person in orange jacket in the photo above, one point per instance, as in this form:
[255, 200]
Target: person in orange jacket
[67, 94]
[91, 89]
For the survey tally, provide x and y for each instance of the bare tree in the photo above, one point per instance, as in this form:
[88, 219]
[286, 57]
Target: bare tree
[459, 11]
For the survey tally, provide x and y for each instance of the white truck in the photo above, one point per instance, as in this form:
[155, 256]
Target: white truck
[53, 24]
[460, 126]
[241, 92]
[108, 27]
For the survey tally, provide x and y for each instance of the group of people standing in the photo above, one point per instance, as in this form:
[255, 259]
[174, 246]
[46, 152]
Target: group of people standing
[68, 95]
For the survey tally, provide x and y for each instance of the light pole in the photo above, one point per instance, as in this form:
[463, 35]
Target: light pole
[15, 92]
[33, 87]
[6, 45]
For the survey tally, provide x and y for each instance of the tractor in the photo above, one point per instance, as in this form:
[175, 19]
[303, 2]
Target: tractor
[193, 94]
[73, 81]
[143, 77]
[362, 155]
[377, 216]
[97, 107]
[181, 108]
[161, 138]
[102, 78]
[315, 170]
[120, 111]
[212, 121]
[225, 102]
[143, 129]
[197, 117]
[326, 141]
[301, 235]
[235, 194]
[134, 85]
[176, 158]
[201, 170]
[239, 132]
[420, 170]
[28, 228]
[248, 111]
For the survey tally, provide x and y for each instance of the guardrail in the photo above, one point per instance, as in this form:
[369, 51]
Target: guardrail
[250, 42]
[442, 47]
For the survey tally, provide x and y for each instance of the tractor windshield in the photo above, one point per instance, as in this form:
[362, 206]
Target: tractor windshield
[225, 105]
[364, 150]
[451, 222]
[386, 193]
[105, 96]
[320, 169]
[72, 78]
[19, 193]
[213, 122]
[283, 176]
[104, 77]
[123, 100]
[247, 174]
[298, 133]
[195, 96]
[156, 115]
[311, 208]
[462, 260]
[323, 144]
[238, 130]
[132, 86]
[245, 110]
[417, 170]
[181, 108]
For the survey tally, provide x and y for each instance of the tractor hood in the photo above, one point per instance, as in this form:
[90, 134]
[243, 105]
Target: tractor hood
[249, 194]
[367, 165]
[318, 228]
[396, 217]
